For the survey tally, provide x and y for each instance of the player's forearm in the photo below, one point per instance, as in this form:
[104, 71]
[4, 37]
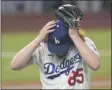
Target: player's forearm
[87, 54]
[24, 55]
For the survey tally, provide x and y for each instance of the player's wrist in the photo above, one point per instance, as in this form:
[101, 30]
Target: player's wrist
[73, 32]
[74, 35]
[38, 39]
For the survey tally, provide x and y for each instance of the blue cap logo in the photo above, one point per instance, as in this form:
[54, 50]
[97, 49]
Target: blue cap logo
[58, 41]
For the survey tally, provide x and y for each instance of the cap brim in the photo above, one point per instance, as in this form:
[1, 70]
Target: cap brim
[58, 49]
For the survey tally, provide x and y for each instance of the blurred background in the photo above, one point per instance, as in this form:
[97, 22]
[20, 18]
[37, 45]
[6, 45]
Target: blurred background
[22, 21]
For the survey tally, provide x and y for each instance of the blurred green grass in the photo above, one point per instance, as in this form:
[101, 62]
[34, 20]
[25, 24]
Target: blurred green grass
[30, 73]
[12, 42]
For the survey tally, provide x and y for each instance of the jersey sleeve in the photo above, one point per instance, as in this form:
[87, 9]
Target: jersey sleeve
[91, 45]
[37, 55]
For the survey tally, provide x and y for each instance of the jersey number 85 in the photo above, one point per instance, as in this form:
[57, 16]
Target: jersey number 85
[73, 77]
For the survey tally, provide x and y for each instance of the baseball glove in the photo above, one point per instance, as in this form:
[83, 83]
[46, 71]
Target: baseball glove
[68, 15]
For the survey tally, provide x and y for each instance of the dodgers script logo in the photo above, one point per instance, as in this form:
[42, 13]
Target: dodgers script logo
[64, 67]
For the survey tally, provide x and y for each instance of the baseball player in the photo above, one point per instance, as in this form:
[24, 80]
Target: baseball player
[64, 55]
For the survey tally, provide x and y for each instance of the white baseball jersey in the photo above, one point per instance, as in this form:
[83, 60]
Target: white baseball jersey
[69, 72]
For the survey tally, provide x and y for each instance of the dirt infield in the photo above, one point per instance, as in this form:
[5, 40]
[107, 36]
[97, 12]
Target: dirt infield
[94, 85]
[33, 22]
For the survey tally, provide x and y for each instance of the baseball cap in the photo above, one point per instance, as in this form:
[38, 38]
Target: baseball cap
[58, 41]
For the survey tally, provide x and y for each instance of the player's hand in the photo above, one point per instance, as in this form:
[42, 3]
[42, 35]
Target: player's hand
[73, 32]
[48, 28]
